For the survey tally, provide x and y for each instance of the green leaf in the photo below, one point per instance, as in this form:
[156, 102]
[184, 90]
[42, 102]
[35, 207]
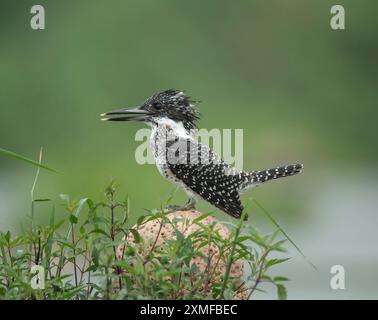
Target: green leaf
[7, 236]
[65, 243]
[277, 245]
[76, 213]
[136, 235]
[15, 242]
[95, 257]
[280, 279]
[91, 268]
[201, 217]
[98, 230]
[273, 262]
[130, 251]
[243, 238]
[281, 292]
[22, 158]
[73, 219]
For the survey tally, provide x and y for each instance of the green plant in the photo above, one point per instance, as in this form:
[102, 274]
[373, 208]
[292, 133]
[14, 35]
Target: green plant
[79, 256]
[17, 156]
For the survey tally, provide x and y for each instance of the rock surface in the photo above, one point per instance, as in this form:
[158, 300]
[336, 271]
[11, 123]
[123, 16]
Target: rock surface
[155, 235]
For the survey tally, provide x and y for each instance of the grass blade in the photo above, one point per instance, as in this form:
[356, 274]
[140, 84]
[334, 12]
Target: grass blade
[22, 158]
[270, 217]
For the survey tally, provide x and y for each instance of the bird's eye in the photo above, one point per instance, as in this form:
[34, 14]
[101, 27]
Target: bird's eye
[156, 106]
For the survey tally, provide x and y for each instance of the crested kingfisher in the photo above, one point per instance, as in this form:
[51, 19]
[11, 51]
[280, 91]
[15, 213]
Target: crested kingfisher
[193, 166]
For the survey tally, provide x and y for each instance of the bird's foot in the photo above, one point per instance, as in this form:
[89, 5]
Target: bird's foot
[174, 207]
[189, 205]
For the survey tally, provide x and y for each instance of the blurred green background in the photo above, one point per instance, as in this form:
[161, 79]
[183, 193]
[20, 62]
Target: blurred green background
[301, 91]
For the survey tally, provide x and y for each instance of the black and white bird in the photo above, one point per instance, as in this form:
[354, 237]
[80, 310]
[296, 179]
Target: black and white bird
[188, 163]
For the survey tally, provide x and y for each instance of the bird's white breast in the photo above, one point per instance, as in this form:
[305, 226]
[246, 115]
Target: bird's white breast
[166, 129]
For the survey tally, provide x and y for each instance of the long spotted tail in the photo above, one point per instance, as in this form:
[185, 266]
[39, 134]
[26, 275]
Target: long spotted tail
[257, 177]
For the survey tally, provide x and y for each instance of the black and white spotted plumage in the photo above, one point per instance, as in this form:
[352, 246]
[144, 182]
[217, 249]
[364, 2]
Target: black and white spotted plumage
[206, 175]
[258, 177]
[192, 165]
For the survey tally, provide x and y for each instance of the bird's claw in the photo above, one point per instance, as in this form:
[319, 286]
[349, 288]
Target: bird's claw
[174, 207]
[189, 205]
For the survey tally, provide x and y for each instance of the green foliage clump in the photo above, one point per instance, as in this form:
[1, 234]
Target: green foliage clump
[80, 261]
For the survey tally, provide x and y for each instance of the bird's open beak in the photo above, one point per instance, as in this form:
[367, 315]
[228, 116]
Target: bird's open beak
[130, 114]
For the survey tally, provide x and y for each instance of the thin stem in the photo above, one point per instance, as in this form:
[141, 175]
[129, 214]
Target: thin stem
[82, 269]
[261, 269]
[230, 257]
[154, 244]
[74, 254]
[240, 288]
[33, 186]
[89, 285]
[38, 251]
[10, 256]
[113, 235]
[32, 196]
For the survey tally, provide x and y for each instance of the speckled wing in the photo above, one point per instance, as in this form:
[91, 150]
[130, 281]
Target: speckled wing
[205, 173]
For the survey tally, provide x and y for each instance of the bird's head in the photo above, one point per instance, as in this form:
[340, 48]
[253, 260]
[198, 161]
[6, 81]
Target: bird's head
[171, 104]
